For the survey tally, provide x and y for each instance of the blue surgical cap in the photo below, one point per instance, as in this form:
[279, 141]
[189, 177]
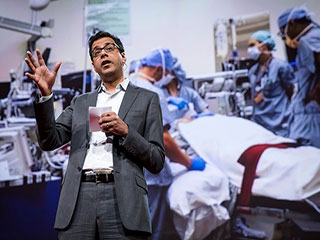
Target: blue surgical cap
[265, 37]
[134, 65]
[293, 13]
[178, 71]
[154, 58]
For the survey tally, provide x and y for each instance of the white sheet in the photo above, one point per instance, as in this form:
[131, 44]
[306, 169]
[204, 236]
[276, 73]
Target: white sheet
[291, 174]
[196, 197]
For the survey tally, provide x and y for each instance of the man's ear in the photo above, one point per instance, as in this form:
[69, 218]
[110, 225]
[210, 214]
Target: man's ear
[124, 58]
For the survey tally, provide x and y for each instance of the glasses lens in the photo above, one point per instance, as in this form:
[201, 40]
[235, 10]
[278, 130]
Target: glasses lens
[109, 47]
[96, 52]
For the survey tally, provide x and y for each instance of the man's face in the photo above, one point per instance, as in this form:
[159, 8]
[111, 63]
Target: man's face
[110, 63]
[156, 72]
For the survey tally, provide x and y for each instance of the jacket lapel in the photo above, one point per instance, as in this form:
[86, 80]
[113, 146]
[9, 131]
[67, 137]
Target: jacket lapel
[128, 99]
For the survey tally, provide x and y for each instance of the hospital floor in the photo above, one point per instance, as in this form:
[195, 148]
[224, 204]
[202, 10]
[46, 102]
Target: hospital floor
[263, 223]
[277, 229]
[273, 227]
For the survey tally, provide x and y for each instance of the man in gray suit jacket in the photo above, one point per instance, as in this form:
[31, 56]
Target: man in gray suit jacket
[104, 193]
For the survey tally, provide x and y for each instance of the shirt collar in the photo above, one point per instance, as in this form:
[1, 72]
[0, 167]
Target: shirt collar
[122, 86]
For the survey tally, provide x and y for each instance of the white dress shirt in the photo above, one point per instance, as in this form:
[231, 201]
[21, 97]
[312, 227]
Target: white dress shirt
[99, 154]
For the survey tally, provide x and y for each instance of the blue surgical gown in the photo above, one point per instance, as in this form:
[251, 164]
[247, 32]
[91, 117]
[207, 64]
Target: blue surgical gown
[191, 96]
[305, 119]
[167, 115]
[273, 111]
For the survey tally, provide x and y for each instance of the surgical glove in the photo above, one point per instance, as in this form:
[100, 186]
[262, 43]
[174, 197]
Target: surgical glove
[205, 114]
[179, 102]
[197, 164]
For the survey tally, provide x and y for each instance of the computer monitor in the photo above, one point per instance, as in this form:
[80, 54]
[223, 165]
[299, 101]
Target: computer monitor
[15, 155]
[46, 55]
[4, 89]
[75, 81]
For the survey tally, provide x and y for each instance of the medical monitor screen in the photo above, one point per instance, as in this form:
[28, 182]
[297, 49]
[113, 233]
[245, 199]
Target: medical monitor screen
[75, 81]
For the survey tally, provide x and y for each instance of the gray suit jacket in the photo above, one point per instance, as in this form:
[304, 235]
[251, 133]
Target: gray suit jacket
[141, 148]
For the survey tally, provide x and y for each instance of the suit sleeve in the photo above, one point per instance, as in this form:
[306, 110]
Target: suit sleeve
[51, 133]
[148, 149]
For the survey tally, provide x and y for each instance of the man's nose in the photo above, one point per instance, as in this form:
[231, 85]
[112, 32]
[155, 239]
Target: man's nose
[103, 54]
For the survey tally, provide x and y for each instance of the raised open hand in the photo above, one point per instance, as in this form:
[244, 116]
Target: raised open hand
[42, 76]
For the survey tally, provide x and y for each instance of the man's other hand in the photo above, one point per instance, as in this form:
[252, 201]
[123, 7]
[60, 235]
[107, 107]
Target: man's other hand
[110, 122]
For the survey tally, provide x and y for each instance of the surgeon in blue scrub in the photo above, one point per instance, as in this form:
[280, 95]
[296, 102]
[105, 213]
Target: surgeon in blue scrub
[151, 72]
[177, 93]
[300, 32]
[272, 83]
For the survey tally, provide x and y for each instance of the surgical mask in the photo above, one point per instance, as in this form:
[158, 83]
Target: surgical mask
[254, 52]
[291, 42]
[150, 79]
[165, 80]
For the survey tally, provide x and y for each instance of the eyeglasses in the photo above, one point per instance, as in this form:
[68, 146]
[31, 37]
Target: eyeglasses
[109, 47]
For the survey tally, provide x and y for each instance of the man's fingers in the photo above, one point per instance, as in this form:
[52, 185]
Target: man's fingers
[104, 119]
[33, 77]
[40, 59]
[106, 126]
[32, 68]
[33, 61]
[107, 114]
[56, 68]
[107, 117]
[114, 127]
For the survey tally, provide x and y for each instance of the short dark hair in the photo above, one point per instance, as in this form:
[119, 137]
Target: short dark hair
[102, 34]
